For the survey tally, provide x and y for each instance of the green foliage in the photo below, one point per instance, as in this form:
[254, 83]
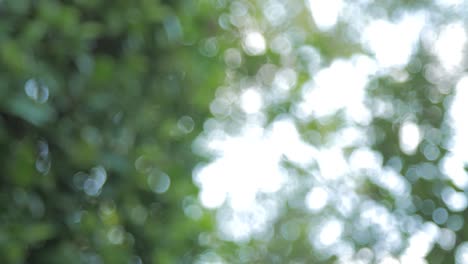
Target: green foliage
[99, 103]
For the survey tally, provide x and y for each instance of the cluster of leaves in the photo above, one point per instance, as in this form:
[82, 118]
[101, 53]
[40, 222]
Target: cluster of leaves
[99, 103]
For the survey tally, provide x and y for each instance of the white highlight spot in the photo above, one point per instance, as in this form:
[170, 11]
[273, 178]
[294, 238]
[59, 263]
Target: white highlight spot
[453, 167]
[325, 12]
[317, 199]
[450, 45]
[254, 43]
[422, 241]
[455, 201]
[249, 163]
[211, 197]
[251, 101]
[347, 78]
[410, 137]
[449, 3]
[457, 113]
[332, 164]
[461, 255]
[453, 164]
[447, 239]
[393, 43]
[389, 260]
[330, 232]
[393, 182]
[365, 159]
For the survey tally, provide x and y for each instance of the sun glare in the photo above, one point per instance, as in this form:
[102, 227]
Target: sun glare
[250, 163]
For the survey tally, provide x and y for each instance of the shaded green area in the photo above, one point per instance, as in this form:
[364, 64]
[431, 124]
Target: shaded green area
[99, 103]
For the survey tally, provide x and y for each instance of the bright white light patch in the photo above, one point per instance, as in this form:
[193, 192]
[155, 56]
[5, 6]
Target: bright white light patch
[455, 201]
[212, 194]
[448, 3]
[393, 182]
[248, 163]
[365, 159]
[254, 43]
[251, 101]
[393, 44]
[421, 242]
[317, 199]
[332, 164]
[325, 12]
[446, 239]
[410, 137]
[346, 78]
[461, 255]
[457, 112]
[389, 260]
[240, 225]
[285, 79]
[450, 45]
[453, 164]
[453, 167]
[286, 137]
[330, 232]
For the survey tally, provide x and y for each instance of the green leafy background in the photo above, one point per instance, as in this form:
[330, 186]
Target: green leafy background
[100, 102]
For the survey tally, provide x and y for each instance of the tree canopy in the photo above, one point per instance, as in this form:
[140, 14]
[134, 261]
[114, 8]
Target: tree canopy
[244, 131]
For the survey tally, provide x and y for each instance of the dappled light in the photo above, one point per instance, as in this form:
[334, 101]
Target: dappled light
[393, 43]
[243, 131]
[325, 13]
[333, 149]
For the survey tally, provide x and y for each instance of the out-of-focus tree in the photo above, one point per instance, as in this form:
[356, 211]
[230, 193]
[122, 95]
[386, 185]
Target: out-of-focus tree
[99, 103]
[337, 136]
